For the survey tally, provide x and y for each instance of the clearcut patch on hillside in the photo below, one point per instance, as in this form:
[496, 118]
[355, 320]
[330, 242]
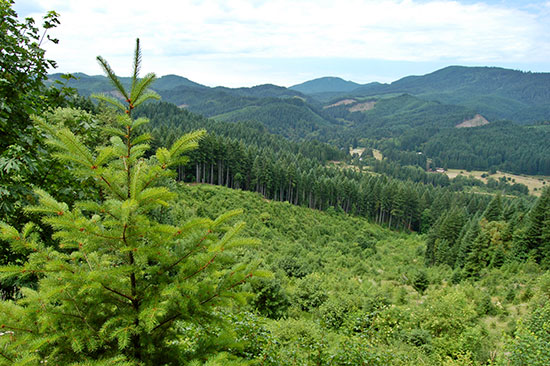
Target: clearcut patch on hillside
[358, 151]
[535, 183]
[477, 121]
[362, 107]
[341, 102]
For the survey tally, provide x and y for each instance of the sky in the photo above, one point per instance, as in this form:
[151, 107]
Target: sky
[238, 43]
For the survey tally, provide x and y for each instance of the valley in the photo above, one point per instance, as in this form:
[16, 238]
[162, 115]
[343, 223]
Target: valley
[159, 221]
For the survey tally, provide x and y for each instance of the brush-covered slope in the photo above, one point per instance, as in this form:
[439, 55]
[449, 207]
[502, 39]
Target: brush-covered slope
[347, 292]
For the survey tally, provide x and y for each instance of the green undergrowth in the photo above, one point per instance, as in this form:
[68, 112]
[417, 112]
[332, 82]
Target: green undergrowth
[347, 292]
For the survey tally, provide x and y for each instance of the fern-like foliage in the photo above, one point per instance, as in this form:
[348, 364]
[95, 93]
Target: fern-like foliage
[120, 284]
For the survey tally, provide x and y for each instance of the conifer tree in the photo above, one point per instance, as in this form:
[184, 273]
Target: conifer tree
[121, 288]
[534, 240]
[494, 209]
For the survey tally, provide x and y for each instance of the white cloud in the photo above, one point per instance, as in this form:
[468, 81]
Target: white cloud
[181, 37]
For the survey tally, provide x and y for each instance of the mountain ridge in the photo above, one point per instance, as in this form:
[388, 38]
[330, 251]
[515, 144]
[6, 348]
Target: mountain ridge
[494, 92]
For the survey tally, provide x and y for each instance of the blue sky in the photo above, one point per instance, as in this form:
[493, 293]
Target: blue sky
[285, 42]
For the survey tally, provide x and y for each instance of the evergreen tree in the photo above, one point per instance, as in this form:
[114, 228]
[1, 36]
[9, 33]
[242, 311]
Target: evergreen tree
[471, 232]
[494, 209]
[121, 288]
[534, 240]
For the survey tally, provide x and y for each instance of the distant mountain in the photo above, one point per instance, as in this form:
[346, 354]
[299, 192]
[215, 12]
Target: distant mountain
[416, 114]
[325, 85]
[393, 116]
[167, 82]
[214, 101]
[496, 93]
[89, 84]
[263, 91]
[190, 95]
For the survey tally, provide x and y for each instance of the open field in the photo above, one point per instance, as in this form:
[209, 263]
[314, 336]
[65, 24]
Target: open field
[531, 181]
[376, 153]
[357, 151]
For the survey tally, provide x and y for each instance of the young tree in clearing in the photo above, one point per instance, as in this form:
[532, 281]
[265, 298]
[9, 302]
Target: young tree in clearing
[121, 288]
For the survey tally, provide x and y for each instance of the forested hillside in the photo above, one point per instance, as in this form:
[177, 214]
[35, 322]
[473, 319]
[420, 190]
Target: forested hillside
[135, 232]
[419, 112]
[394, 116]
[494, 92]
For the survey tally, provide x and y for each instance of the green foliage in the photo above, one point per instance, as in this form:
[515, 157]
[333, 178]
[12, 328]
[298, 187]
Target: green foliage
[531, 343]
[120, 287]
[270, 298]
[25, 160]
[141, 270]
[420, 281]
[534, 240]
[23, 68]
[310, 292]
[355, 300]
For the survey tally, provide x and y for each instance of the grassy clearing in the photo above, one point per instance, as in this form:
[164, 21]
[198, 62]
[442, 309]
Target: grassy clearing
[359, 150]
[377, 154]
[533, 182]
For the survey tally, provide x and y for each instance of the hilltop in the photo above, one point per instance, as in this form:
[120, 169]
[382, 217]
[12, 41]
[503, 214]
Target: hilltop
[325, 84]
